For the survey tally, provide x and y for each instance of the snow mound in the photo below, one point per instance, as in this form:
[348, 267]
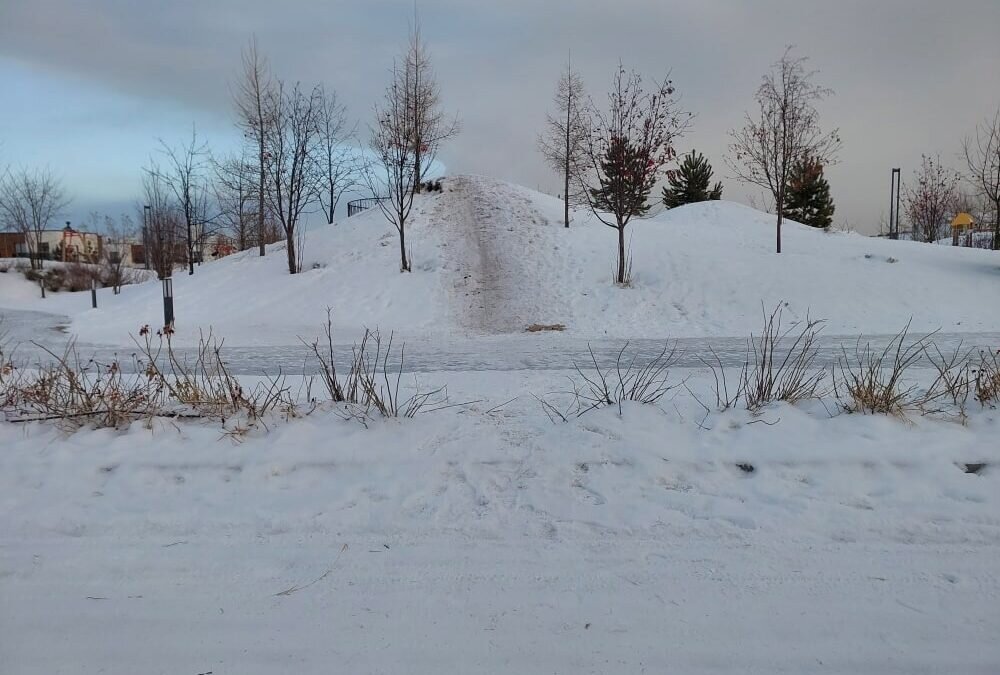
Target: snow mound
[492, 258]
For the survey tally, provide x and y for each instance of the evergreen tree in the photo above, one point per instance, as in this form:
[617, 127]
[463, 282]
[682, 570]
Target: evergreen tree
[807, 197]
[627, 180]
[691, 182]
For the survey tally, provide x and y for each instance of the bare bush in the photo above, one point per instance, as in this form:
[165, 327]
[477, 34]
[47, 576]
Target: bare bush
[780, 365]
[628, 380]
[769, 375]
[78, 277]
[204, 384]
[952, 384]
[73, 393]
[372, 385]
[873, 380]
[323, 353]
[987, 378]
[378, 389]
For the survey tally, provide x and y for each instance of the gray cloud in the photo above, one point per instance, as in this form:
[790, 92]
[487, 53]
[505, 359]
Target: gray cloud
[910, 76]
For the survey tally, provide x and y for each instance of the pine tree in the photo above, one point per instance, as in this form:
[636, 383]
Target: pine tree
[807, 197]
[691, 182]
[627, 180]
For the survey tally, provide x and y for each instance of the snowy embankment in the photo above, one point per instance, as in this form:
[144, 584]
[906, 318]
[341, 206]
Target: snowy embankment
[492, 258]
[487, 538]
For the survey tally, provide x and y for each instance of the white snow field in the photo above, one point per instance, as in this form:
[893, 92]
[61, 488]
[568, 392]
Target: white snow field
[485, 537]
[493, 258]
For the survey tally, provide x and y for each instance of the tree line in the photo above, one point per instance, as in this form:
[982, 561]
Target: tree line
[300, 154]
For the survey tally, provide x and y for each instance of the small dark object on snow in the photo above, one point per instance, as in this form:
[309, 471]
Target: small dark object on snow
[540, 327]
[974, 467]
[745, 468]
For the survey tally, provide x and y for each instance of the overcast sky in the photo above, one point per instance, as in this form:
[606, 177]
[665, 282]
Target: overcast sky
[89, 85]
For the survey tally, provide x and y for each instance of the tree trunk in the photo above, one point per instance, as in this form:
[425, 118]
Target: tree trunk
[569, 106]
[779, 230]
[190, 244]
[290, 247]
[566, 197]
[996, 226]
[260, 202]
[404, 265]
[621, 255]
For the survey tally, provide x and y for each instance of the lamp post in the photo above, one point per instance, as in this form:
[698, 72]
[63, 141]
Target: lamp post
[894, 204]
[146, 213]
[168, 303]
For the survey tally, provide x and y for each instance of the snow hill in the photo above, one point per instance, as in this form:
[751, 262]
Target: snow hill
[492, 258]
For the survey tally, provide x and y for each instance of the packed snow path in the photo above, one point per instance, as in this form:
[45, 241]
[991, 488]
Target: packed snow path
[497, 353]
[484, 225]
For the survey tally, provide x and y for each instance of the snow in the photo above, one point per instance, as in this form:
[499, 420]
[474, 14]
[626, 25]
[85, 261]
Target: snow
[485, 538]
[491, 258]
[489, 539]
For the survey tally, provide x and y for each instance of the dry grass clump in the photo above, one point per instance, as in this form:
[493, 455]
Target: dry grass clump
[986, 374]
[74, 392]
[873, 380]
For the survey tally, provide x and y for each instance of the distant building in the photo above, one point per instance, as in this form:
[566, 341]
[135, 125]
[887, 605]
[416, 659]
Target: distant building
[66, 244]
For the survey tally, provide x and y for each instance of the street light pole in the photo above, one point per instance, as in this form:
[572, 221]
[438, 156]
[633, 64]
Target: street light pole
[146, 213]
[168, 303]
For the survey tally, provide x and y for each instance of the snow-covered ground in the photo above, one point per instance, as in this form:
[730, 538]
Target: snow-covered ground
[492, 258]
[487, 539]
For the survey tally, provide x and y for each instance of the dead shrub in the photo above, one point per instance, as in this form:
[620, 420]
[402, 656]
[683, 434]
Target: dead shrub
[75, 393]
[986, 375]
[628, 380]
[203, 384]
[949, 391]
[372, 385]
[780, 365]
[873, 380]
[770, 375]
[77, 276]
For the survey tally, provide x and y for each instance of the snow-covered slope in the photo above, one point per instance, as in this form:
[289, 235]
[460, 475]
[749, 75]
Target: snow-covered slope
[491, 257]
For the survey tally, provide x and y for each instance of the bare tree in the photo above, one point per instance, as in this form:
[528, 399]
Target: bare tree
[292, 168]
[117, 239]
[785, 131]
[338, 161]
[163, 240]
[235, 191]
[931, 199]
[628, 146]
[29, 200]
[185, 175]
[393, 176]
[563, 143]
[428, 126]
[982, 155]
[252, 96]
